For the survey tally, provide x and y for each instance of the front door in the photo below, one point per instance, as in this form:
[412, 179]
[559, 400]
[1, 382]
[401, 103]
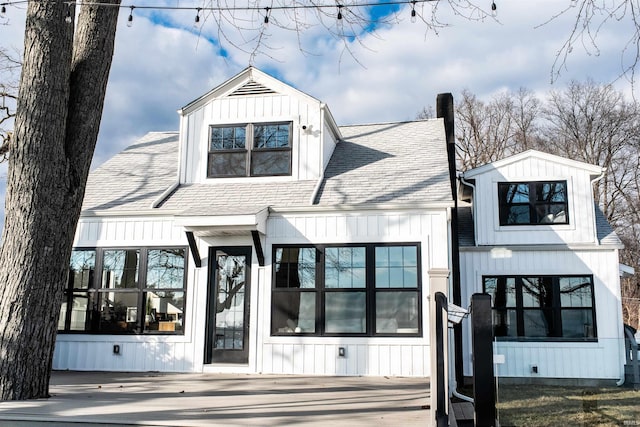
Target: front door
[228, 305]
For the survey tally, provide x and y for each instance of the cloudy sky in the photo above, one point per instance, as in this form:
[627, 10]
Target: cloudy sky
[388, 73]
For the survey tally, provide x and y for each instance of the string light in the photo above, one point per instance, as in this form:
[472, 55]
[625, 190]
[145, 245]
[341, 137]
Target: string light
[221, 8]
[413, 11]
[3, 9]
[493, 6]
[266, 16]
[130, 18]
[67, 18]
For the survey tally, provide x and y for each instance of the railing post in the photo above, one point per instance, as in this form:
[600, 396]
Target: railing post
[484, 389]
[442, 419]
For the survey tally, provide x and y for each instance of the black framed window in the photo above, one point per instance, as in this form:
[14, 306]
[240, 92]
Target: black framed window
[252, 149]
[131, 290]
[542, 307]
[533, 203]
[359, 290]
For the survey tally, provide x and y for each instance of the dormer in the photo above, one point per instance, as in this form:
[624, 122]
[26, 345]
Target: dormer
[533, 198]
[255, 128]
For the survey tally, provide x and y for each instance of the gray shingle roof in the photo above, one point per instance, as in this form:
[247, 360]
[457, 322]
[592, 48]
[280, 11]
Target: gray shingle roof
[398, 163]
[394, 163]
[604, 231]
[135, 177]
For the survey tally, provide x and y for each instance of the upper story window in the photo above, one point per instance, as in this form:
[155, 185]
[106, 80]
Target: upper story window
[252, 149]
[533, 203]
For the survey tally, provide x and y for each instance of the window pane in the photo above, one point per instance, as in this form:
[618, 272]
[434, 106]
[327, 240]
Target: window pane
[81, 268]
[345, 312]
[79, 311]
[505, 323]
[551, 214]
[551, 192]
[120, 268]
[227, 164]
[295, 268]
[164, 311]
[276, 162]
[577, 323]
[345, 267]
[118, 311]
[165, 268]
[575, 292]
[514, 193]
[538, 323]
[502, 291]
[396, 267]
[227, 138]
[293, 312]
[271, 136]
[537, 292]
[517, 214]
[397, 312]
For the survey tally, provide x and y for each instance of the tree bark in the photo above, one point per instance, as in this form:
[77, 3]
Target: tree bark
[60, 101]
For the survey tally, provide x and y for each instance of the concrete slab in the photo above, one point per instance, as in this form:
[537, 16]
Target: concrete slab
[152, 399]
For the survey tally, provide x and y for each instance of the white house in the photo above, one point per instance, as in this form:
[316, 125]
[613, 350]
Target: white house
[535, 240]
[264, 238]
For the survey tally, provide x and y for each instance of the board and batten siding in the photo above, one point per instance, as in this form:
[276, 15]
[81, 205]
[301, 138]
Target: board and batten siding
[602, 359]
[307, 144]
[581, 207]
[364, 355]
[87, 352]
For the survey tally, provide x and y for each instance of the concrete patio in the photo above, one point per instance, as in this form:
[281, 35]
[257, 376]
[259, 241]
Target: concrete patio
[154, 399]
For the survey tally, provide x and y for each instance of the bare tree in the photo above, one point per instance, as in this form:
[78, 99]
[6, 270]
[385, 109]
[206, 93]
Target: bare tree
[594, 123]
[59, 107]
[9, 71]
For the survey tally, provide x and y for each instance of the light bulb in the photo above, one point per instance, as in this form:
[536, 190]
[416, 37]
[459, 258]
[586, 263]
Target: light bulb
[130, 18]
[67, 18]
[413, 16]
[3, 10]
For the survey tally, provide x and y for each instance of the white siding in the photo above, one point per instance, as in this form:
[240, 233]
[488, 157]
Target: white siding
[307, 149]
[364, 356]
[141, 352]
[601, 359]
[581, 208]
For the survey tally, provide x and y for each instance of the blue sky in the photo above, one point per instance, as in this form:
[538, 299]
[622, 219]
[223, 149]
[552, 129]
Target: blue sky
[389, 72]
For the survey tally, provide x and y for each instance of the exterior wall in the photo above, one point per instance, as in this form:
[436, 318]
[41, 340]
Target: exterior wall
[306, 143]
[581, 227]
[603, 359]
[137, 352]
[364, 356]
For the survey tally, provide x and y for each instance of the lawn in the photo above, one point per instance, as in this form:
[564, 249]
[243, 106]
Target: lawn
[567, 406]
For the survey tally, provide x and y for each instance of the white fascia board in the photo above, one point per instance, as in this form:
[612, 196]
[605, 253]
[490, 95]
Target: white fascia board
[541, 247]
[363, 208]
[593, 169]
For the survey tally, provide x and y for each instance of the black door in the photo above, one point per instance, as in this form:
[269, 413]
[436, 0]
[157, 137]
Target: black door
[228, 305]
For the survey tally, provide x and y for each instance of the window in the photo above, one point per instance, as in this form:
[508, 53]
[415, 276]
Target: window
[542, 307]
[359, 290]
[109, 291]
[262, 149]
[527, 203]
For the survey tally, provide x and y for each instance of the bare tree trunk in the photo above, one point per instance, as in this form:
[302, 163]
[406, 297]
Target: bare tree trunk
[58, 116]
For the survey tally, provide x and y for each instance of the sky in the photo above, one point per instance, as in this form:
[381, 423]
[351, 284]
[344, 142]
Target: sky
[387, 71]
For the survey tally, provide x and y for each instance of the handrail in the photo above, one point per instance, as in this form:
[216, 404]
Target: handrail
[631, 353]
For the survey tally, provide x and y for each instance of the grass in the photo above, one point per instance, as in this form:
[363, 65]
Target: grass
[537, 405]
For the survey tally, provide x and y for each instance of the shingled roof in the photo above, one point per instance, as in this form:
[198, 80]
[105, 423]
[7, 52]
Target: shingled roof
[391, 163]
